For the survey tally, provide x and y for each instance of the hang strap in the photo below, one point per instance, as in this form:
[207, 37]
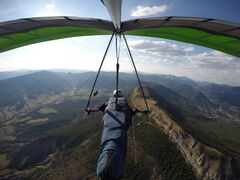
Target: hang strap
[117, 67]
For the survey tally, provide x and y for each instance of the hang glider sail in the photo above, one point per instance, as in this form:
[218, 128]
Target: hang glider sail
[23, 32]
[216, 34]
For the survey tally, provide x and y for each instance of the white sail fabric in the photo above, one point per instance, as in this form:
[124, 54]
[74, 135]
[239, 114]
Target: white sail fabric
[114, 8]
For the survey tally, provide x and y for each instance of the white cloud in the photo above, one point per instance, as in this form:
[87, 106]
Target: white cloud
[169, 52]
[214, 60]
[160, 48]
[186, 60]
[147, 11]
[50, 6]
[49, 10]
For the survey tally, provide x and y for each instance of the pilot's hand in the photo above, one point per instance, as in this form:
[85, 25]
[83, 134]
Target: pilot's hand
[88, 110]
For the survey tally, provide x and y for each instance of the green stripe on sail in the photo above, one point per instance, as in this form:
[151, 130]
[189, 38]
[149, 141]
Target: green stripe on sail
[222, 43]
[16, 40]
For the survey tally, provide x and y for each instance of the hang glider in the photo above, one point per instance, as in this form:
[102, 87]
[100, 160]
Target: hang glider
[215, 34]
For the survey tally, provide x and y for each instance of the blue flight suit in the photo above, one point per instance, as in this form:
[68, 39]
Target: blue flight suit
[114, 139]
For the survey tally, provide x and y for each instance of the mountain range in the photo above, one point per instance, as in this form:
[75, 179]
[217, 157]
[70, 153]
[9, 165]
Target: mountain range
[45, 110]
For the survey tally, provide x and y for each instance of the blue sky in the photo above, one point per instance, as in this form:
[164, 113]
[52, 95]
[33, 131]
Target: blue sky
[152, 55]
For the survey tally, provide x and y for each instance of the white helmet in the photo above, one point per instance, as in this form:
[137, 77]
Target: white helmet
[117, 93]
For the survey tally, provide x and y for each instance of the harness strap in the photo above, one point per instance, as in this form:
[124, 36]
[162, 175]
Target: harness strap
[134, 143]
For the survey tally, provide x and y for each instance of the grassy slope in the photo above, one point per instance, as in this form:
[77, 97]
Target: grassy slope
[221, 134]
[156, 155]
[78, 157]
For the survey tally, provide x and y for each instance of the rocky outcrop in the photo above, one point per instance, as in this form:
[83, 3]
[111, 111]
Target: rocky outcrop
[207, 162]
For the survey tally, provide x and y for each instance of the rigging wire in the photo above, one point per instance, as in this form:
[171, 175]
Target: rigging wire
[117, 35]
[139, 82]
[100, 67]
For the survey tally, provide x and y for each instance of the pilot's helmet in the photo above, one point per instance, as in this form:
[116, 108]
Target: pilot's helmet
[117, 93]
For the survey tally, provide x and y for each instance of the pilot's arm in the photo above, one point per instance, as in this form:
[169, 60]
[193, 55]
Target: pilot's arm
[100, 108]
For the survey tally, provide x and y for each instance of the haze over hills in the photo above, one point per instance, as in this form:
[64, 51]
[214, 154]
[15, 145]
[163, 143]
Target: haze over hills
[45, 110]
[16, 73]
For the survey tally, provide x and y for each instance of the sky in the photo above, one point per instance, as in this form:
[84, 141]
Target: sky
[151, 55]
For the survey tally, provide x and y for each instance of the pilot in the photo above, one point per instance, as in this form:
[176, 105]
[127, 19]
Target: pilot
[116, 121]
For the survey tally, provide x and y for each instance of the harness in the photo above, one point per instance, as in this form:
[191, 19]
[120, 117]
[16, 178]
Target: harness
[115, 125]
[114, 139]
